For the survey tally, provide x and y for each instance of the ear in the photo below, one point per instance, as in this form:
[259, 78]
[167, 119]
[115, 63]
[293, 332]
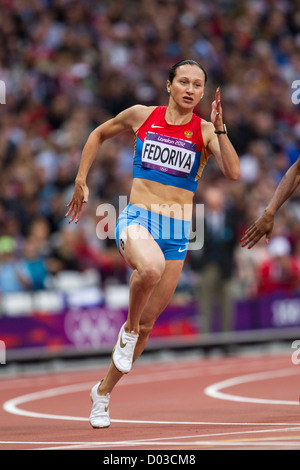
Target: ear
[168, 87]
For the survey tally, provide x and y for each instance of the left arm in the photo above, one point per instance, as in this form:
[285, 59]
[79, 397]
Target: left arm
[219, 145]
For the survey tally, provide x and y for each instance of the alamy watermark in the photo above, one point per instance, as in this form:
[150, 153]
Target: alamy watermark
[296, 94]
[296, 353]
[2, 352]
[2, 92]
[167, 221]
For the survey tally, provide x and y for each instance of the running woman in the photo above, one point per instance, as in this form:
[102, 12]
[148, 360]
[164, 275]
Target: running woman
[172, 146]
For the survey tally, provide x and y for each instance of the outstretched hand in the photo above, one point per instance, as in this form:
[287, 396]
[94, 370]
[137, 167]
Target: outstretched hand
[216, 116]
[80, 197]
[262, 226]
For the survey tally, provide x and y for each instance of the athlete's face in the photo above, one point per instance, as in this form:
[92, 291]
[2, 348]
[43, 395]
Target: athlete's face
[187, 87]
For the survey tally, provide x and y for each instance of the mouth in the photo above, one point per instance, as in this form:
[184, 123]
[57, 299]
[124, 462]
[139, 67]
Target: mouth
[187, 99]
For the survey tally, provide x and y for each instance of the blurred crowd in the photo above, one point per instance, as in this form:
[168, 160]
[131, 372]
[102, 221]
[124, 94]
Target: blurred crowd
[70, 65]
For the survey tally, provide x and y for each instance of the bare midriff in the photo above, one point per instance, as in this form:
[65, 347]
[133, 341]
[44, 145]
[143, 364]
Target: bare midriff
[161, 198]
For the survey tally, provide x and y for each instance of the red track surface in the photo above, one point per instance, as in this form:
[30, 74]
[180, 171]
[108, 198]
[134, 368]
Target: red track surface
[160, 406]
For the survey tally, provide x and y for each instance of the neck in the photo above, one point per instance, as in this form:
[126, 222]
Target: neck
[177, 116]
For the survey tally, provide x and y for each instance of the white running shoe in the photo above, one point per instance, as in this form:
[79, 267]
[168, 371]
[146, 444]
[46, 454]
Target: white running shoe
[99, 417]
[123, 351]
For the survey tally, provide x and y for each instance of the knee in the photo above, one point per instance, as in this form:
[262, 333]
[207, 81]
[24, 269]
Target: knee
[151, 272]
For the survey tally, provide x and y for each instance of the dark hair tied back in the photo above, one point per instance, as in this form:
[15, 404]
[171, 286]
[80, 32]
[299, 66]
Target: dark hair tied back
[172, 71]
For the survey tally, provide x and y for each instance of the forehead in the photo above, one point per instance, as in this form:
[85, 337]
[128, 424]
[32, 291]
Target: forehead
[190, 71]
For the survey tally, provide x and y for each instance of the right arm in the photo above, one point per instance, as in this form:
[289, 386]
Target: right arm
[264, 224]
[129, 119]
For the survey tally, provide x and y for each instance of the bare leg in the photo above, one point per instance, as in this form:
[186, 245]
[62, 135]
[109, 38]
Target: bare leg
[146, 258]
[158, 301]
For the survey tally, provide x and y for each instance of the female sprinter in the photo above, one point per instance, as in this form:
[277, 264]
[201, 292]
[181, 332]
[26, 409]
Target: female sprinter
[172, 145]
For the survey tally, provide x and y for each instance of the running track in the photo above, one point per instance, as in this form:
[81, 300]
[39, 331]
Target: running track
[237, 403]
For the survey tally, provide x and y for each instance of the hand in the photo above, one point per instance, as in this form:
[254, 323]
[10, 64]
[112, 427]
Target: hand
[80, 197]
[262, 226]
[216, 116]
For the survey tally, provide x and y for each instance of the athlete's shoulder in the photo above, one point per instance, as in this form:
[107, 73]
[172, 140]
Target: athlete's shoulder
[140, 110]
[207, 126]
[138, 114]
[204, 123]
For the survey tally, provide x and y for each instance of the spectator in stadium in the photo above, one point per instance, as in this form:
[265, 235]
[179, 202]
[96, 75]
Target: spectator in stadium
[58, 62]
[214, 263]
[14, 272]
[35, 263]
[279, 274]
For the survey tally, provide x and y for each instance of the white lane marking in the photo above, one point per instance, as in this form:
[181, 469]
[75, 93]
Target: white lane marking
[193, 444]
[12, 406]
[110, 445]
[156, 441]
[214, 389]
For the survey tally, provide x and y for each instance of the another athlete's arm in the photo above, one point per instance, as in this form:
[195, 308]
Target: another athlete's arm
[264, 224]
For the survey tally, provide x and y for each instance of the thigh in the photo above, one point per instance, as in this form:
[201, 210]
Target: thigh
[138, 247]
[162, 293]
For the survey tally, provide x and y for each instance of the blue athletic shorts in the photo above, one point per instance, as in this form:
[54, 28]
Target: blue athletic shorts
[172, 235]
